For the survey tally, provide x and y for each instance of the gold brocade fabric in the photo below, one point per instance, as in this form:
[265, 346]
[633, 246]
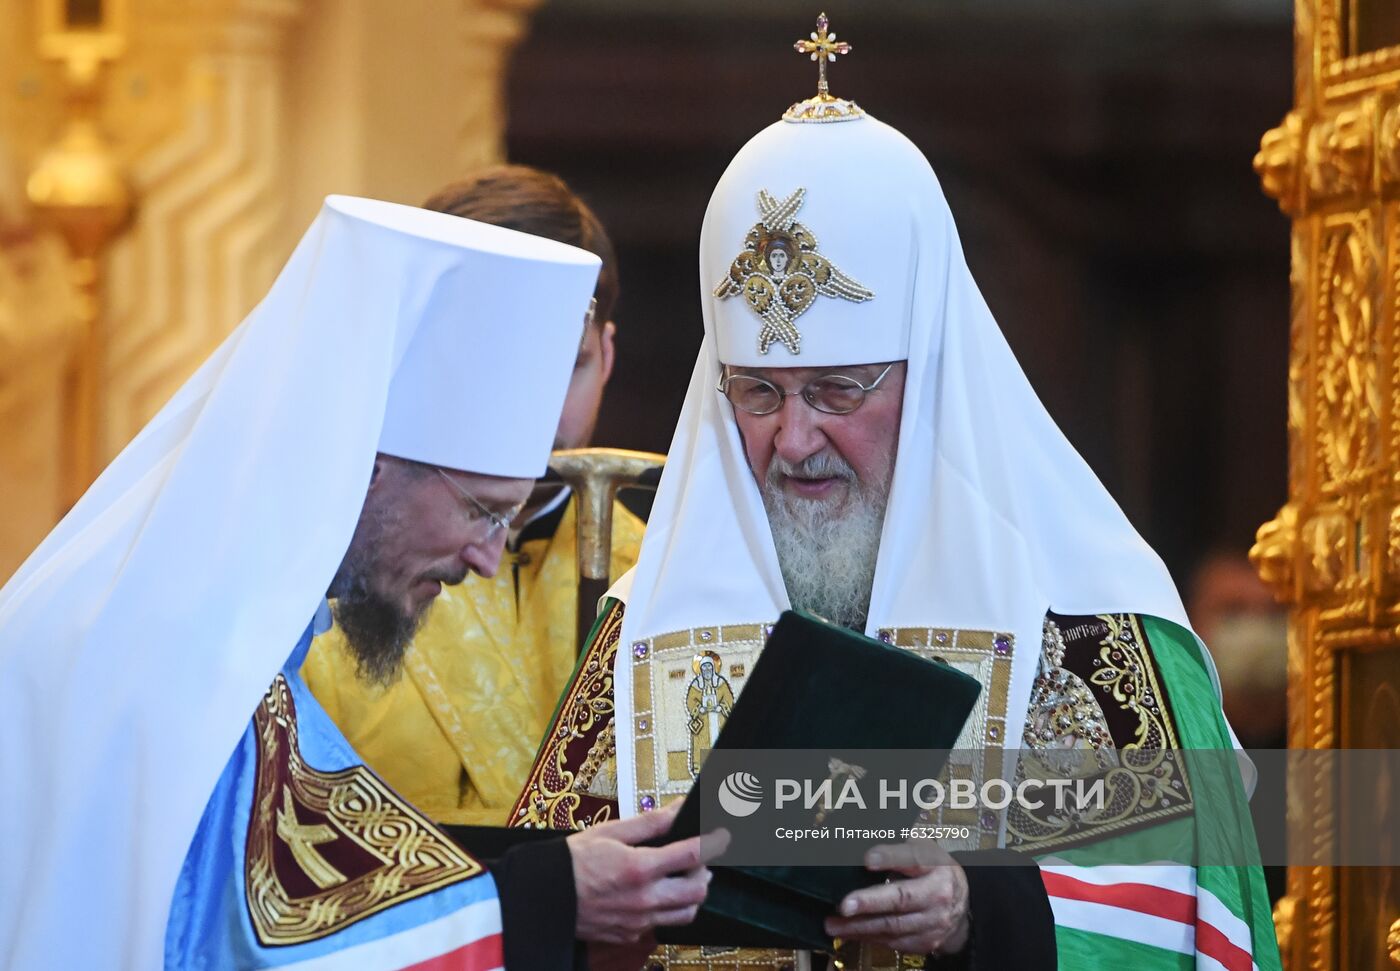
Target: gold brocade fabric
[457, 732]
[326, 849]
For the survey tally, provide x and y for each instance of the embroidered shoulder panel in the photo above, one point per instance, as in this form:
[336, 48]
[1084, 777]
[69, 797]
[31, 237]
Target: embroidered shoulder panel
[684, 684]
[327, 849]
[1099, 711]
[573, 782]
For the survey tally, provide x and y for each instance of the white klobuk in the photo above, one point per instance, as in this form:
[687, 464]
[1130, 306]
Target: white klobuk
[993, 518]
[137, 640]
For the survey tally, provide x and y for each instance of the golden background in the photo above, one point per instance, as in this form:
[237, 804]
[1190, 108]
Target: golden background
[226, 122]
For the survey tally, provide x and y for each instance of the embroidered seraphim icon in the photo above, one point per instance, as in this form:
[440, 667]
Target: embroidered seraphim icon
[780, 273]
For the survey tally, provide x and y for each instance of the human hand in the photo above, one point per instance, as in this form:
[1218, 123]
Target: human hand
[625, 890]
[923, 914]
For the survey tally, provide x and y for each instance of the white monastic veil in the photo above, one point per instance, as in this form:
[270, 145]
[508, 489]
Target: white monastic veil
[136, 640]
[993, 517]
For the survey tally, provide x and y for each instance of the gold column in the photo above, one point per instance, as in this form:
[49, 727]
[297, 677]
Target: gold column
[38, 331]
[78, 188]
[1333, 551]
[488, 31]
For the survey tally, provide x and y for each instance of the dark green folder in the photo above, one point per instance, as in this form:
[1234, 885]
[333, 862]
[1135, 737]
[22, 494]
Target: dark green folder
[817, 686]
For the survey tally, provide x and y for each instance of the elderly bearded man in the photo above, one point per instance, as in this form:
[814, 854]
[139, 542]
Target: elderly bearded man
[453, 721]
[321, 449]
[858, 441]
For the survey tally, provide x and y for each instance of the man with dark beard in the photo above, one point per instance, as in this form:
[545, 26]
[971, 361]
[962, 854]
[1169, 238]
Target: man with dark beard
[378, 626]
[453, 721]
[186, 802]
[858, 441]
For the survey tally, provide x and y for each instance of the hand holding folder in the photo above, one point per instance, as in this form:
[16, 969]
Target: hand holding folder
[817, 687]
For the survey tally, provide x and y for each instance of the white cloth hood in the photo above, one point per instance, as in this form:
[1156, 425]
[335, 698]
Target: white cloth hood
[136, 641]
[993, 518]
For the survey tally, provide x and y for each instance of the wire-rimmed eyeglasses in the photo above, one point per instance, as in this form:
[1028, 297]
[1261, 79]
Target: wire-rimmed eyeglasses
[835, 394]
[498, 521]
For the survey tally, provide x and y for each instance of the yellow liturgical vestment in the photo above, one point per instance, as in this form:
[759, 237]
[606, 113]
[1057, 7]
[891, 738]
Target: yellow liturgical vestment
[457, 731]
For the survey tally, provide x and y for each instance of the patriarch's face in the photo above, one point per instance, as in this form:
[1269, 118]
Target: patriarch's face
[824, 479]
[808, 454]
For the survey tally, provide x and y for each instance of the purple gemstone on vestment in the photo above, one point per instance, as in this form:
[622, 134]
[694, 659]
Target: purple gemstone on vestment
[648, 804]
[1002, 643]
[639, 650]
[989, 820]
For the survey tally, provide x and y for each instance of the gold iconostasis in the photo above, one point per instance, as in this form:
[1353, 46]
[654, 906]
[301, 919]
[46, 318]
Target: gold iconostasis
[1333, 551]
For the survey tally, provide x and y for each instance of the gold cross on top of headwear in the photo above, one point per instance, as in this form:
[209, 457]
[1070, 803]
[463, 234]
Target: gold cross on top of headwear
[823, 47]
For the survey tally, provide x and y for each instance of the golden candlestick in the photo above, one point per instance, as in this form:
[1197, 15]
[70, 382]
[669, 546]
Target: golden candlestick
[78, 188]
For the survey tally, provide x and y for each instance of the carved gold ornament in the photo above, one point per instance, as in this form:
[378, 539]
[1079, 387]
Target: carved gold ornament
[823, 47]
[1333, 550]
[1272, 553]
[1280, 151]
[1349, 406]
[1325, 551]
[1392, 543]
[1339, 152]
[1285, 916]
[1388, 148]
[1300, 354]
[780, 274]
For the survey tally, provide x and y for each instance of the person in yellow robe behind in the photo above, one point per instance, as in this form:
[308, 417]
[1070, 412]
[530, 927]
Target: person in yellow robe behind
[456, 727]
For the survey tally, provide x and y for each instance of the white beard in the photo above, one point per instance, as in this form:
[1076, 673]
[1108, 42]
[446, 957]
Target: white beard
[827, 549]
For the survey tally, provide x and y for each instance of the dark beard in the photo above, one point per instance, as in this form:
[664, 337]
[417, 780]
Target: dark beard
[377, 632]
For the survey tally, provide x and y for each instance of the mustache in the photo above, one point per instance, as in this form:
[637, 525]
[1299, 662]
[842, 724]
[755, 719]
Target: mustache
[819, 465]
[448, 578]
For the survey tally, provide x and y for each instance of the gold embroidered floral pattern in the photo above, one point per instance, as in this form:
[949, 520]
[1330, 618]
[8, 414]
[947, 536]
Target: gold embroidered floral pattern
[326, 849]
[1098, 712]
[573, 781]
